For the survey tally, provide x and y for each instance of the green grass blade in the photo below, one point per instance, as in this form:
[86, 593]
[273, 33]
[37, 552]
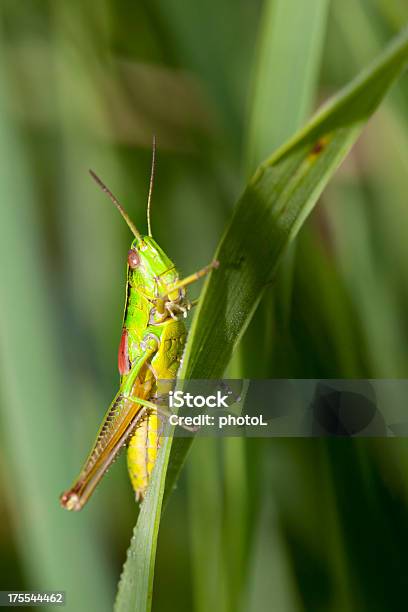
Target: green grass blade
[211, 588]
[284, 91]
[375, 299]
[269, 568]
[238, 522]
[286, 74]
[272, 210]
[56, 550]
[267, 217]
[136, 583]
[285, 80]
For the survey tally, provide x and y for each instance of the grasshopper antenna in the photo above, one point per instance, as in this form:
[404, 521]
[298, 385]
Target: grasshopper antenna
[149, 198]
[116, 202]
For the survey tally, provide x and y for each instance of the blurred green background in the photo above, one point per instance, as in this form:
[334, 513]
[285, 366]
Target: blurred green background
[286, 525]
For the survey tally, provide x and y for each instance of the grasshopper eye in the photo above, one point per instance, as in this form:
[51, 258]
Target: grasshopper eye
[133, 259]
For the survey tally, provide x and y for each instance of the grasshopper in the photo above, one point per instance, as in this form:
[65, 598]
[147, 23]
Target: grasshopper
[150, 349]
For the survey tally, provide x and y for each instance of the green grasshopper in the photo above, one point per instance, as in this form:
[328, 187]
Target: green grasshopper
[150, 350]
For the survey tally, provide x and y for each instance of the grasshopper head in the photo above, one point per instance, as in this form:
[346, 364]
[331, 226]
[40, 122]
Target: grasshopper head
[149, 268]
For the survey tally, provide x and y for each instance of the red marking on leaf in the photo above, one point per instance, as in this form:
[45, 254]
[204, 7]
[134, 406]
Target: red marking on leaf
[319, 145]
[123, 355]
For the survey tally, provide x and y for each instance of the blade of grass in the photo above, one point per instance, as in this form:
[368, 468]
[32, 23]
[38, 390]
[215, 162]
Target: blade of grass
[375, 298]
[369, 493]
[286, 74]
[290, 44]
[363, 37]
[269, 568]
[267, 217]
[34, 395]
[273, 208]
[324, 316]
[136, 582]
[237, 520]
[209, 575]
[284, 90]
